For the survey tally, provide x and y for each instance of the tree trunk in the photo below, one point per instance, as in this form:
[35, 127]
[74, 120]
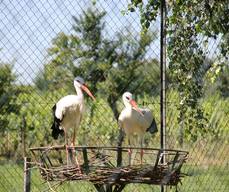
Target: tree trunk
[112, 103]
[86, 131]
[181, 132]
[23, 130]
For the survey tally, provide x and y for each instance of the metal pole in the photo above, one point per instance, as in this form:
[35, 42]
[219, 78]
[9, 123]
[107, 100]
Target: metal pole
[27, 174]
[23, 128]
[163, 71]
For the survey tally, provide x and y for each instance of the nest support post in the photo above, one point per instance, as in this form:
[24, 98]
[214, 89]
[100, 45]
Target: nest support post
[27, 174]
[109, 187]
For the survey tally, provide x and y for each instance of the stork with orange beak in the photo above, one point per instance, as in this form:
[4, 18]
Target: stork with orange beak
[68, 112]
[134, 120]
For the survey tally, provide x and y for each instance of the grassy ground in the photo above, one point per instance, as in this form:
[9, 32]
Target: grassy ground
[203, 179]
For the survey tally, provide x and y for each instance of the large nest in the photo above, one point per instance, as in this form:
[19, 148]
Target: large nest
[108, 165]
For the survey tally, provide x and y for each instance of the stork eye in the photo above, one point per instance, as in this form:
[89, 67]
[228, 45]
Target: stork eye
[78, 81]
[127, 98]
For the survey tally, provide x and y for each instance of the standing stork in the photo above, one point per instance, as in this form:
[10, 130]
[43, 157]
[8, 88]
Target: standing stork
[134, 120]
[68, 111]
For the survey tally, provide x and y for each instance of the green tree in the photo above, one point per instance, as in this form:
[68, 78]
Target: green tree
[222, 82]
[8, 104]
[218, 81]
[111, 66]
[187, 22]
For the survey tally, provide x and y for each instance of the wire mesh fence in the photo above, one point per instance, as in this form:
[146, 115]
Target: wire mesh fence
[44, 45]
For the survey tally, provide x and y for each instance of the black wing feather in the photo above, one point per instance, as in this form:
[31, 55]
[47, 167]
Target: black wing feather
[56, 131]
[152, 128]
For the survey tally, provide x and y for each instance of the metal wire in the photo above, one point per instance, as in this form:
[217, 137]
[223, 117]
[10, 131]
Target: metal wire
[41, 51]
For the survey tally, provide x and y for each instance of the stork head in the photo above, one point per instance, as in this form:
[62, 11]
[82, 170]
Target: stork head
[130, 102]
[79, 83]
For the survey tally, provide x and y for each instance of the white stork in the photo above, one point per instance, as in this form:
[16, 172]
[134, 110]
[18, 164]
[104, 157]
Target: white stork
[134, 120]
[68, 111]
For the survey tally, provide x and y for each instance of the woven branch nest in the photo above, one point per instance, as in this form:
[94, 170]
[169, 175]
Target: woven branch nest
[107, 165]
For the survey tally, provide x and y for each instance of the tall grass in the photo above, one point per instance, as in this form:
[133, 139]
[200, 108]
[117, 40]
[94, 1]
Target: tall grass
[200, 178]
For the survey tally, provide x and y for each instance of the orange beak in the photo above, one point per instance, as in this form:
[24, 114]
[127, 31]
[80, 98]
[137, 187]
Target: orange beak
[84, 87]
[134, 104]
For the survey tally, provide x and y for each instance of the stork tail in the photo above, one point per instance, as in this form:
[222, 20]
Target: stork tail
[153, 127]
[56, 131]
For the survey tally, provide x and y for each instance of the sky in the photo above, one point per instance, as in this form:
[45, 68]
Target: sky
[27, 28]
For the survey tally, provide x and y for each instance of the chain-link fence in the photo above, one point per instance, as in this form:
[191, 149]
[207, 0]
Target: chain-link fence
[45, 44]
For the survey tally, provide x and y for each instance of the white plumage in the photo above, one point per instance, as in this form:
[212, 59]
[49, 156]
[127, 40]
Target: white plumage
[68, 112]
[134, 120]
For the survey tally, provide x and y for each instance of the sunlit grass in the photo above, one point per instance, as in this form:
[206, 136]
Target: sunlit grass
[200, 178]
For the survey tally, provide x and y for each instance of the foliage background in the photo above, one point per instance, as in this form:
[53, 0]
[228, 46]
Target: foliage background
[115, 47]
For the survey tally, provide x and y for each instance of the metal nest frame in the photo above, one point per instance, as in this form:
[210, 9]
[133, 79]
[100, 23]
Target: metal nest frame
[105, 167]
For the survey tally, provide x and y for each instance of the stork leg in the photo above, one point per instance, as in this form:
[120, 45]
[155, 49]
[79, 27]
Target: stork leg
[142, 151]
[129, 151]
[66, 146]
[74, 152]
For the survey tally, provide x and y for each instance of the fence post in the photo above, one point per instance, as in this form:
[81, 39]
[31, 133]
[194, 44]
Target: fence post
[23, 129]
[27, 174]
[162, 74]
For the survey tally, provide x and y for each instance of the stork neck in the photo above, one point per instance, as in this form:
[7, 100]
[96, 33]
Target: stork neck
[79, 92]
[128, 105]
